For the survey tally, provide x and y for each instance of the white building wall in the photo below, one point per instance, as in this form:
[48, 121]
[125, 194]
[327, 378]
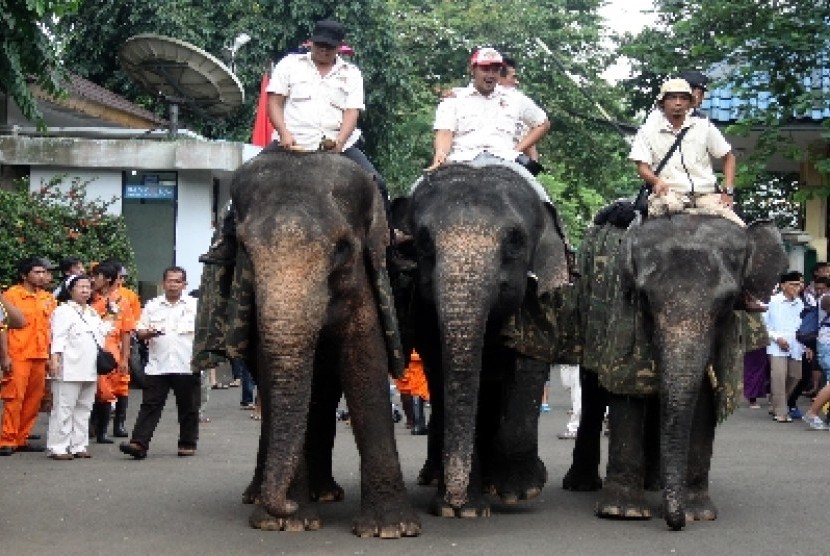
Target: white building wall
[103, 184]
[193, 222]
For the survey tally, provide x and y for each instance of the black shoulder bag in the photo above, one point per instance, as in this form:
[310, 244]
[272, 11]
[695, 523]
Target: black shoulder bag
[641, 202]
[105, 362]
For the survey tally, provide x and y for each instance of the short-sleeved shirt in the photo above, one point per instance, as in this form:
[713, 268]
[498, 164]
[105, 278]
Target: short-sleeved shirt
[171, 352]
[486, 123]
[314, 104]
[118, 318]
[690, 167]
[31, 341]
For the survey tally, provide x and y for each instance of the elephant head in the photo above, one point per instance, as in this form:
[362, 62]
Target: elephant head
[686, 273]
[314, 229]
[478, 233]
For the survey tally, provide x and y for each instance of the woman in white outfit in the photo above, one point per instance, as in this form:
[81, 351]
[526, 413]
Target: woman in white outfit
[76, 335]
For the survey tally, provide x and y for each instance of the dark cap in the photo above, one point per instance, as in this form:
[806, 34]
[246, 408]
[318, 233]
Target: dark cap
[328, 32]
[46, 263]
[791, 276]
[695, 79]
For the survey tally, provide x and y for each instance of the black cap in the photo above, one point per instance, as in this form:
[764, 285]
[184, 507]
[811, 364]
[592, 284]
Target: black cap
[329, 32]
[695, 79]
[46, 263]
[791, 276]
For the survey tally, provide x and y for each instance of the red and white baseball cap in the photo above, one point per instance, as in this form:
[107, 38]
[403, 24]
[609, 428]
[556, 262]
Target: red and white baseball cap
[486, 57]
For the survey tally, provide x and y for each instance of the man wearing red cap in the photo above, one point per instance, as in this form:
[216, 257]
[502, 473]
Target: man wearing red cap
[479, 122]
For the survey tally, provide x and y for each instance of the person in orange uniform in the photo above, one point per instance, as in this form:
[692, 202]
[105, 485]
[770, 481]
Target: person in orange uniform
[414, 393]
[115, 310]
[121, 387]
[24, 374]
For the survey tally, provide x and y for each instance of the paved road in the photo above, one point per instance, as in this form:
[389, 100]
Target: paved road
[769, 481]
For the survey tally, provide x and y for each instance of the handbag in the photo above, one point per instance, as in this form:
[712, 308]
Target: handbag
[105, 362]
[641, 202]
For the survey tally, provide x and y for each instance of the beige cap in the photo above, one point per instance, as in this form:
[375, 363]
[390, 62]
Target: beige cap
[675, 86]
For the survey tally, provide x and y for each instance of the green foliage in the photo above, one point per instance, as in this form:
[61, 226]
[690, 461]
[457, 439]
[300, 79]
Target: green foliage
[27, 51]
[57, 221]
[576, 207]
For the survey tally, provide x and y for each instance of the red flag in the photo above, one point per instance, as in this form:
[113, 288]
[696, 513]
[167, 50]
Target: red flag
[263, 130]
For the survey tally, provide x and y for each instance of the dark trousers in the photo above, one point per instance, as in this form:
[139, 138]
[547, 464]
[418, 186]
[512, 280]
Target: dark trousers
[240, 371]
[156, 388]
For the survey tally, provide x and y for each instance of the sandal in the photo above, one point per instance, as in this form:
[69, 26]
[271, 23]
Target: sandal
[256, 417]
[219, 386]
[784, 419]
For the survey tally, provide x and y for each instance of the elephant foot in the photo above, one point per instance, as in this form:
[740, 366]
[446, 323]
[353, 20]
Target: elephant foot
[430, 474]
[473, 508]
[622, 502]
[252, 493]
[517, 479]
[581, 481]
[326, 491]
[389, 521]
[305, 519]
[699, 507]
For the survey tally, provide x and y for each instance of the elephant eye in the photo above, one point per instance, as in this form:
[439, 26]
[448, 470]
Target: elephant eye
[424, 243]
[342, 254]
[514, 243]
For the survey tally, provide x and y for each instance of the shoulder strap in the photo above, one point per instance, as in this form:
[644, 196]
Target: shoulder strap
[90, 331]
[671, 151]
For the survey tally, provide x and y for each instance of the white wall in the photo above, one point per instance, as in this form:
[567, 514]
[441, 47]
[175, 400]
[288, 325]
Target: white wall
[193, 222]
[104, 184]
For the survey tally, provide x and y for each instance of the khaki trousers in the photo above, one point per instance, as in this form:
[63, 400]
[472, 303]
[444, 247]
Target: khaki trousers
[785, 374]
[693, 203]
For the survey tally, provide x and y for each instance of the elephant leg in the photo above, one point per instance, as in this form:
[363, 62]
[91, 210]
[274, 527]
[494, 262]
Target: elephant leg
[699, 506]
[253, 492]
[385, 510]
[623, 495]
[319, 442]
[651, 446]
[305, 518]
[520, 473]
[583, 475]
[432, 472]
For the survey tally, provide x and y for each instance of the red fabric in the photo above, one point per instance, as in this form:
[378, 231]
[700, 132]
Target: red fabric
[263, 130]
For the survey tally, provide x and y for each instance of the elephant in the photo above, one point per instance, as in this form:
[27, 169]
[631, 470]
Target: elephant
[313, 234]
[680, 277]
[483, 241]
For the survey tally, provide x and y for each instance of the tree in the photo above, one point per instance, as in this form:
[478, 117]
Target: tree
[56, 221]
[29, 51]
[776, 48]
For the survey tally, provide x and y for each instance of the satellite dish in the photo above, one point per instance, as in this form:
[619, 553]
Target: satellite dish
[183, 74]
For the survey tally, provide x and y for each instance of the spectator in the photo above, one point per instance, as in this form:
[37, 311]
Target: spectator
[118, 317]
[823, 351]
[242, 376]
[168, 322]
[69, 266]
[570, 380]
[76, 333]
[414, 392]
[27, 349]
[783, 318]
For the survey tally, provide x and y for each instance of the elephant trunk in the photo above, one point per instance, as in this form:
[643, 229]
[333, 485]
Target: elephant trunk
[683, 356]
[291, 298]
[462, 289]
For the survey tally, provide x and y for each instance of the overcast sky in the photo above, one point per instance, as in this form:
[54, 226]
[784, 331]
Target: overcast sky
[622, 16]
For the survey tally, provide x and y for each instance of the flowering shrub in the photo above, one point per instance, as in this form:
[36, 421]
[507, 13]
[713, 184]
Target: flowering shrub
[56, 221]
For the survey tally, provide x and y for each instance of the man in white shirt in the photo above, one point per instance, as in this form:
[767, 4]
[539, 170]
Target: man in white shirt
[168, 322]
[782, 318]
[479, 123]
[687, 181]
[314, 100]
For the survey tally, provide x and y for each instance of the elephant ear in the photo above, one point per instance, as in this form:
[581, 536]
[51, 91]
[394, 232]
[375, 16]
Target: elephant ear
[377, 233]
[765, 261]
[550, 257]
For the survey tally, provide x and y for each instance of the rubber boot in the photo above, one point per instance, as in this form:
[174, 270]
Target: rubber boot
[103, 410]
[419, 424]
[120, 419]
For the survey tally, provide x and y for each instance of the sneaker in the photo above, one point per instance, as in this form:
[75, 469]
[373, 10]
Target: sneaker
[567, 435]
[795, 413]
[545, 408]
[815, 423]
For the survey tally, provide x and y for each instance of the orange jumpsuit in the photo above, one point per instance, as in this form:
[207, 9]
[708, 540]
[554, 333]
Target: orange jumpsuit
[134, 301]
[23, 391]
[414, 381]
[115, 309]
